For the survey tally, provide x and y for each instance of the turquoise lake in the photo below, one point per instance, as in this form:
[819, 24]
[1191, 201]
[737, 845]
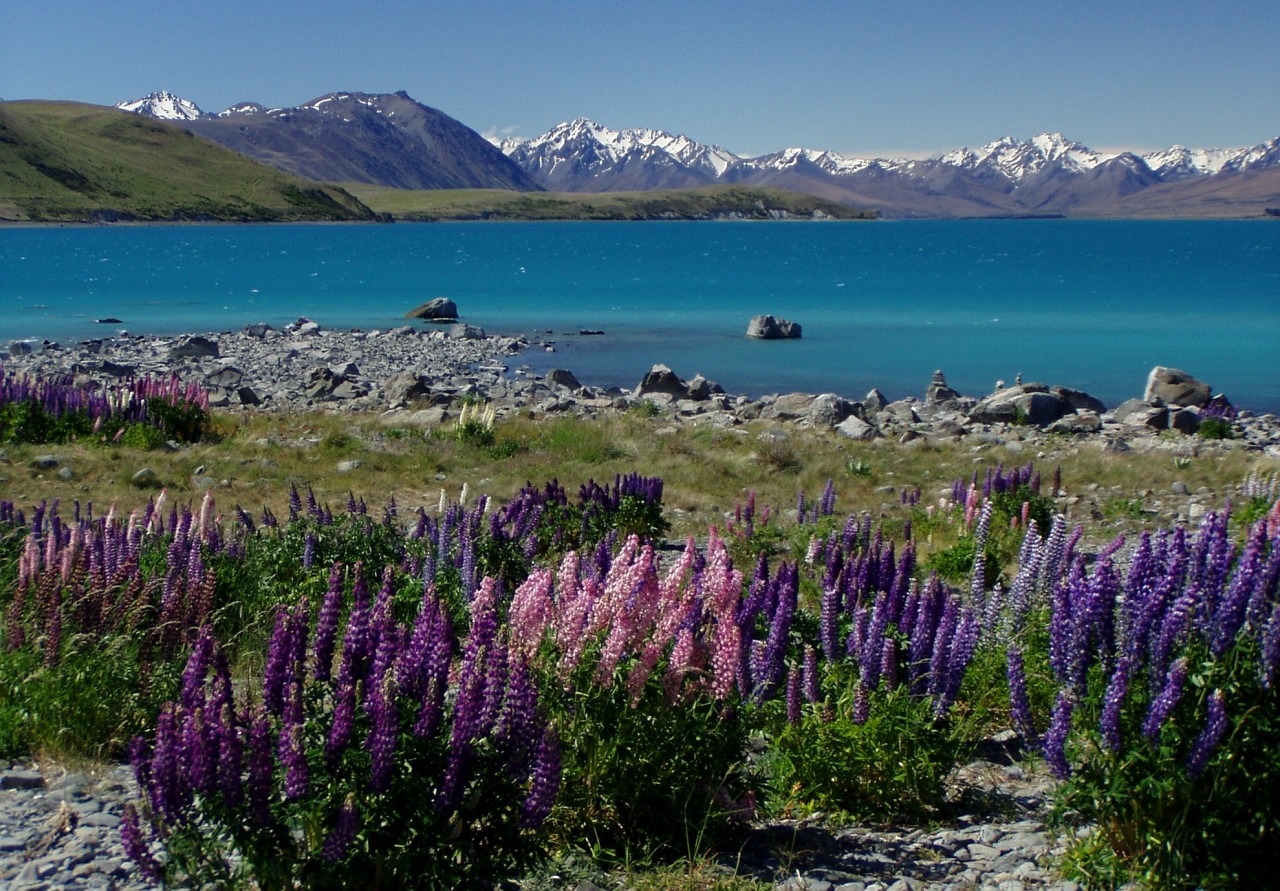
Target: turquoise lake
[1086, 304]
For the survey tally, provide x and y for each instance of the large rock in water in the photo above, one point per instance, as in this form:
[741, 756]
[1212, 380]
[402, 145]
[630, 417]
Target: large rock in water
[1172, 386]
[772, 328]
[441, 309]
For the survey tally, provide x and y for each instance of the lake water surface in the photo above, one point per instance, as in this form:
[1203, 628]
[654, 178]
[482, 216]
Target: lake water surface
[1087, 304]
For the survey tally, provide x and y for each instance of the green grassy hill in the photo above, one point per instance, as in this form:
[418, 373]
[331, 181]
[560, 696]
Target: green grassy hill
[684, 204]
[70, 162]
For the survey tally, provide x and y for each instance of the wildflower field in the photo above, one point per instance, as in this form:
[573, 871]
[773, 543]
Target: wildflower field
[448, 695]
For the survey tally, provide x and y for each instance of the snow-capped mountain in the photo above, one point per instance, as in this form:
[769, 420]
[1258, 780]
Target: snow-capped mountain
[1045, 174]
[163, 106]
[630, 159]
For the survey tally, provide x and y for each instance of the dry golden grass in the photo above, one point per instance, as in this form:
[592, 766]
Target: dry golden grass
[254, 459]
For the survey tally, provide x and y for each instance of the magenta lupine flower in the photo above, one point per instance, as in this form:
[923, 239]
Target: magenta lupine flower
[1215, 724]
[546, 781]
[1167, 700]
[530, 613]
[682, 662]
[1055, 738]
[135, 845]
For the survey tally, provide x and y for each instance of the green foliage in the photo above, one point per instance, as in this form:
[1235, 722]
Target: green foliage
[142, 436]
[28, 422]
[1161, 826]
[1216, 428]
[89, 703]
[890, 767]
[182, 421]
[645, 775]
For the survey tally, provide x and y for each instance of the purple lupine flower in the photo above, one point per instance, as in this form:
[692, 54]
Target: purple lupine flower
[169, 794]
[1227, 620]
[343, 833]
[200, 754]
[1167, 700]
[192, 696]
[963, 644]
[810, 680]
[297, 779]
[275, 675]
[861, 705]
[261, 763]
[793, 695]
[546, 781]
[309, 550]
[517, 726]
[1019, 702]
[787, 583]
[1055, 738]
[1215, 724]
[344, 715]
[828, 505]
[382, 735]
[871, 651]
[1269, 654]
[1112, 700]
[327, 625]
[889, 663]
[135, 845]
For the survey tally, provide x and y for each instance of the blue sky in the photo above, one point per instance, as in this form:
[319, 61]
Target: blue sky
[904, 78]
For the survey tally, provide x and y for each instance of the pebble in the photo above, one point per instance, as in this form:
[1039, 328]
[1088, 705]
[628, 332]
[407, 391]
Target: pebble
[61, 830]
[1009, 849]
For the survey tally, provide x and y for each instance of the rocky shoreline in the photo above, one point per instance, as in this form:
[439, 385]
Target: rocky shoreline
[419, 377]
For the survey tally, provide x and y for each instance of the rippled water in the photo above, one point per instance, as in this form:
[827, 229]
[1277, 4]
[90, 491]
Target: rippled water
[1087, 304]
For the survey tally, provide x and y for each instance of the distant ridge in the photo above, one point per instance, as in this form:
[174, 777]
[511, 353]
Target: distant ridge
[69, 162]
[386, 139]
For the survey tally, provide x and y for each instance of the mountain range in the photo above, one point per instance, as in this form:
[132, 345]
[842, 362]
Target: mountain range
[393, 140]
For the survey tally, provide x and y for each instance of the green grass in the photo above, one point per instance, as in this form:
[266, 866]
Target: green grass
[70, 162]
[497, 204]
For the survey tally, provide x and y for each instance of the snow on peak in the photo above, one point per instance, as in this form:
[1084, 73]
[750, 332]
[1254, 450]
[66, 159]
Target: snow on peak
[612, 145]
[1017, 159]
[163, 105]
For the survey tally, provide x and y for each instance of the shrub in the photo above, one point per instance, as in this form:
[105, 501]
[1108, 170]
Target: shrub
[1167, 724]
[418, 760]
